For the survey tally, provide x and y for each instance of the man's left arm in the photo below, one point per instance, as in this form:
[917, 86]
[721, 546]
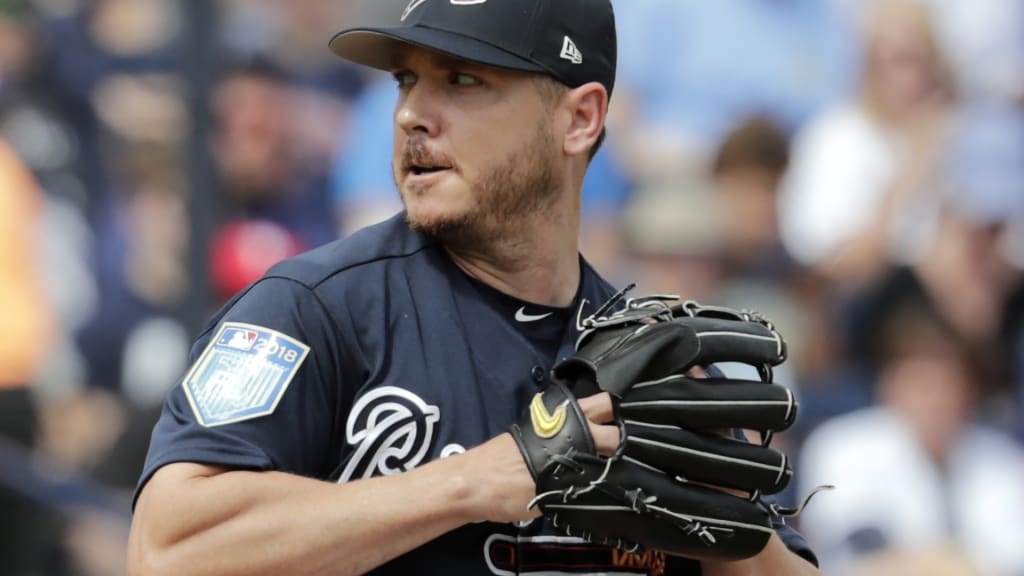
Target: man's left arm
[776, 558]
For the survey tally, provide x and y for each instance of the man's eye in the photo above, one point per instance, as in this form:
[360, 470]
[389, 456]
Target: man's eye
[460, 79]
[404, 78]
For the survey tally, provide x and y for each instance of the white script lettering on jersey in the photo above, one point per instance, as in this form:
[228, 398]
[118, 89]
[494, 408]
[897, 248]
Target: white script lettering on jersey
[391, 429]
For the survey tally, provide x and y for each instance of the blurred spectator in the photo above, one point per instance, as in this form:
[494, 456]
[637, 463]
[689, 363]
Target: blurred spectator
[981, 31]
[261, 172]
[26, 325]
[986, 168]
[966, 268]
[17, 47]
[965, 274]
[715, 237]
[917, 471]
[986, 47]
[672, 239]
[31, 122]
[133, 348]
[242, 251]
[747, 172]
[284, 43]
[25, 318]
[861, 193]
[110, 72]
[963, 259]
[690, 69]
[294, 36]
[142, 276]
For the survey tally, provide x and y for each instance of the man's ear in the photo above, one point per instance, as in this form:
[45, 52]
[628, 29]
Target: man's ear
[587, 107]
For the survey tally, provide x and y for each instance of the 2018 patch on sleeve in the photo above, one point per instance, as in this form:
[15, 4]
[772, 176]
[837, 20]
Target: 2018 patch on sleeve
[242, 374]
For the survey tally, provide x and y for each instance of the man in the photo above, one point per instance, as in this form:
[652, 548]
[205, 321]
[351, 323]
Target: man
[347, 412]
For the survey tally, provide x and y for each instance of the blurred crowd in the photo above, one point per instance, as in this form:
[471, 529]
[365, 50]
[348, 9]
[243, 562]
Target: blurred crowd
[852, 168]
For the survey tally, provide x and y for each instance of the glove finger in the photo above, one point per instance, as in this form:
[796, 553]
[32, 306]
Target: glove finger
[724, 340]
[708, 459]
[710, 403]
[614, 359]
[627, 505]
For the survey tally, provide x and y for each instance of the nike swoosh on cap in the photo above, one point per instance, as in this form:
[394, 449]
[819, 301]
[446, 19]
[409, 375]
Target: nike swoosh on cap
[522, 316]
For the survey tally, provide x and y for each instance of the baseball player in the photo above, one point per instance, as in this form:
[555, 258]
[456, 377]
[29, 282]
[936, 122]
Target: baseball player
[347, 413]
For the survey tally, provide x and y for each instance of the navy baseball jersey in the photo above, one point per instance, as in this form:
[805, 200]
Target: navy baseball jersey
[375, 354]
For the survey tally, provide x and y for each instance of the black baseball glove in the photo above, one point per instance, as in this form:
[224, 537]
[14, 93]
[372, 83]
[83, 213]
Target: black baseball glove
[679, 441]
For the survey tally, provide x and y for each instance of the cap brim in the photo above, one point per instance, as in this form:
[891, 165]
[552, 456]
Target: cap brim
[381, 47]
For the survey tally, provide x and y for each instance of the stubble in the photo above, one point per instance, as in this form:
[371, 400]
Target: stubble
[521, 187]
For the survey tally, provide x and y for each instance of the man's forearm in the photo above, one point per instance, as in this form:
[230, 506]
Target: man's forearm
[775, 559]
[250, 523]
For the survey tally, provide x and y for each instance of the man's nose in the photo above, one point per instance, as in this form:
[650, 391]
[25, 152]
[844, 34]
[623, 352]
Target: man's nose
[418, 110]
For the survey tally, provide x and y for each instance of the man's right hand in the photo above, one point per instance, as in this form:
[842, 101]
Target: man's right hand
[498, 479]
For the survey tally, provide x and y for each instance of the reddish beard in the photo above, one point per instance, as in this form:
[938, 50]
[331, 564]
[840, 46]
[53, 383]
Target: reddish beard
[525, 183]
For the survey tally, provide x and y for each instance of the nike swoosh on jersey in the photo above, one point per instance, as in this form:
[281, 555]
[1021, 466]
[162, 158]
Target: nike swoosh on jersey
[522, 316]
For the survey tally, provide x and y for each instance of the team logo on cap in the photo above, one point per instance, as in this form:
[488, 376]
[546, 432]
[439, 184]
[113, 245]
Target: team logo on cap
[415, 4]
[412, 6]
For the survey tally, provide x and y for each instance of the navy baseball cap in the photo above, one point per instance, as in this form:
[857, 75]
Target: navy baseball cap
[571, 40]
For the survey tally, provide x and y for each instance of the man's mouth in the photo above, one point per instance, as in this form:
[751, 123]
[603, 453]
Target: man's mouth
[420, 170]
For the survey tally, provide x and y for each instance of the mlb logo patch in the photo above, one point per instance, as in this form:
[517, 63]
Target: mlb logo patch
[242, 374]
[238, 338]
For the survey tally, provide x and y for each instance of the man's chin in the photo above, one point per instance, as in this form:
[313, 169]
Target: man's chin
[437, 224]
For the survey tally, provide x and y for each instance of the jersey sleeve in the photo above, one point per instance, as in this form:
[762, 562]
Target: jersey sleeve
[262, 389]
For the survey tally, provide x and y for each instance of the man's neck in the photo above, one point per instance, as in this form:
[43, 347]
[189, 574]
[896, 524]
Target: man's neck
[538, 262]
